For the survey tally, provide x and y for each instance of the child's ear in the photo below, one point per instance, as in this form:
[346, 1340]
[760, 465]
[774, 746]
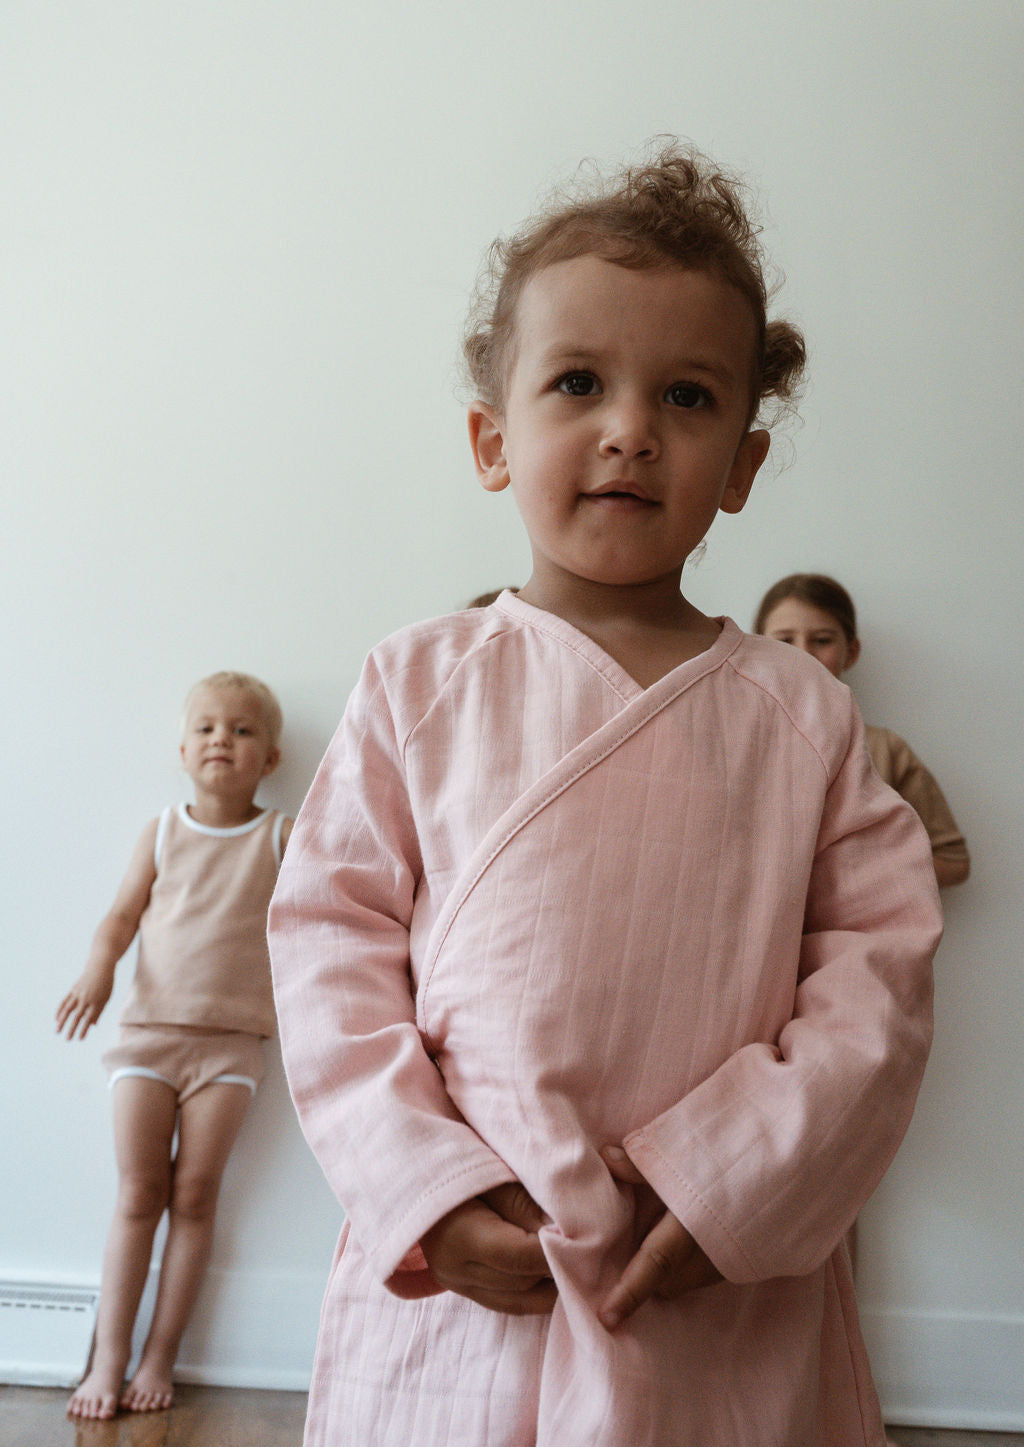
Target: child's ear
[487, 440]
[273, 759]
[750, 454]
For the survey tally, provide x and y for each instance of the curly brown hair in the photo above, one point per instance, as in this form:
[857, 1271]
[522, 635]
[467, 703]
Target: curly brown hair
[676, 208]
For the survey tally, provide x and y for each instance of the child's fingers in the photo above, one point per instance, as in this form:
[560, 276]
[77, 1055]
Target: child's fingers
[668, 1263]
[645, 1272]
[538, 1300]
[86, 1020]
[513, 1203]
[78, 1016]
[507, 1250]
[620, 1166]
[69, 1010]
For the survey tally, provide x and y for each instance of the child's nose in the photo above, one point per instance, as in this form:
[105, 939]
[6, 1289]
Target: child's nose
[630, 431]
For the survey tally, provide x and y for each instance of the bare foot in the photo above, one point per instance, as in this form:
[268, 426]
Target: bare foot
[150, 1389]
[97, 1394]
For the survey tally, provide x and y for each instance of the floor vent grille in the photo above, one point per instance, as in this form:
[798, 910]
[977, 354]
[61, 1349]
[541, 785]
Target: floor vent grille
[45, 1332]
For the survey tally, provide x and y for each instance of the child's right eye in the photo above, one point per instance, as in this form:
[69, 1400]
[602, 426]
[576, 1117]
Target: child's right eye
[578, 384]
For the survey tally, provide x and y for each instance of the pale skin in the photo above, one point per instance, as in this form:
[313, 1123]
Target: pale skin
[819, 633]
[227, 750]
[624, 430]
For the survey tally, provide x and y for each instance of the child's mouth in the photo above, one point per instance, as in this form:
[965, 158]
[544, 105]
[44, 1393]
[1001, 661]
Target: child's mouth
[621, 500]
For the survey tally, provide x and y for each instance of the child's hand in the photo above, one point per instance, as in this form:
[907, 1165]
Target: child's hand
[668, 1263]
[488, 1250]
[83, 1004]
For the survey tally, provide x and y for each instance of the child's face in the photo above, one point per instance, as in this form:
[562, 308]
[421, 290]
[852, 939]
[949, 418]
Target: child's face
[227, 748]
[815, 631]
[624, 427]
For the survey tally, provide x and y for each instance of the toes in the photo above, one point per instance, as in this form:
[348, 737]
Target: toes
[141, 1400]
[90, 1408]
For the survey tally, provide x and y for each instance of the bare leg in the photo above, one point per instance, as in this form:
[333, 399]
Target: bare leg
[209, 1123]
[144, 1113]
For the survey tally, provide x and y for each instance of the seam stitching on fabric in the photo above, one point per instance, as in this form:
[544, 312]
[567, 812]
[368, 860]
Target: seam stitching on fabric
[755, 683]
[696, 1195]
[542, 626]
[652, 710]
[853, 1365]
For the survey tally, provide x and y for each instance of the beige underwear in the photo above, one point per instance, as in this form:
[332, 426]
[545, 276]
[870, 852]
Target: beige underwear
[186, 1057]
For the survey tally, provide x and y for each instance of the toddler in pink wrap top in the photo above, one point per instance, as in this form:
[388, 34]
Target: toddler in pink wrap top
[601, 954]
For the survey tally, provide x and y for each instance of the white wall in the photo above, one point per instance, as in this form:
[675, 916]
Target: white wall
[238, 240]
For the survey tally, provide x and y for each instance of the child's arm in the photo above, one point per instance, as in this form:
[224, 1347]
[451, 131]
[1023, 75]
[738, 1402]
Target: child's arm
[918, 786]
[768, 1161]
[900, 766]
[370, 1099]
[83, 1004]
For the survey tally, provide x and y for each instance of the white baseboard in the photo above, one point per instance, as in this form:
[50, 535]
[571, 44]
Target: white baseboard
[932, 1370]
[249, 1329]
[258, 1329]
[936, 1370]
[45, 1331]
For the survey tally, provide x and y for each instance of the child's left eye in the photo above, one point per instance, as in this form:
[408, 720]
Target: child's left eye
[578, 384]
[688, 395]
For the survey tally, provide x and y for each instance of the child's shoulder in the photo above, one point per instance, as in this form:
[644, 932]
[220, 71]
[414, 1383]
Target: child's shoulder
[818, 706]
[431, 651]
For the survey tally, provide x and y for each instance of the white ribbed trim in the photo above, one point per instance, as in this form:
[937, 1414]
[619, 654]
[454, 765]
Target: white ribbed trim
[276, 840]
[186, 818]
[161, 830]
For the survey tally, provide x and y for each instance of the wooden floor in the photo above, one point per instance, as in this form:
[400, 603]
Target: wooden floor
[228, 1417]
[201, 1417]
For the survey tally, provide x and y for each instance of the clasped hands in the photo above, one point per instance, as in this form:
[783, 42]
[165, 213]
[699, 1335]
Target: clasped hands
[488, 1250]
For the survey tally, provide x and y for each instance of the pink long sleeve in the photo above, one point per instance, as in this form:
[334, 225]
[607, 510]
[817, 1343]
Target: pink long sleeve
[371, 1102]
[754, 1160]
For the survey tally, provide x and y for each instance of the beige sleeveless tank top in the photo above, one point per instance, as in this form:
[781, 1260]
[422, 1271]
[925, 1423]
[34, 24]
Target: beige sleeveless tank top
[203, 957]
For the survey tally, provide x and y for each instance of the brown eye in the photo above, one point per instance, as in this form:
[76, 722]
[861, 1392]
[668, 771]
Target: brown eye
[578, 384]
[687, 395]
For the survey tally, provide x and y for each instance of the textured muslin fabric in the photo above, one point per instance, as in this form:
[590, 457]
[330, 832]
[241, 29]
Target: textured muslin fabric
[530, 909]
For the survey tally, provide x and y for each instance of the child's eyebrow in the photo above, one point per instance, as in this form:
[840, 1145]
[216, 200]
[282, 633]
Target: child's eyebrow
[580, 354]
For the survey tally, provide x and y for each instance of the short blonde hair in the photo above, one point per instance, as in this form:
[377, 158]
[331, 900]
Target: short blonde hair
[265, 696]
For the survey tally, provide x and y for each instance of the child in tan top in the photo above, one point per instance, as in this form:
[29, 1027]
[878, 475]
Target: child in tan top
[816, 613]
[199, 881]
